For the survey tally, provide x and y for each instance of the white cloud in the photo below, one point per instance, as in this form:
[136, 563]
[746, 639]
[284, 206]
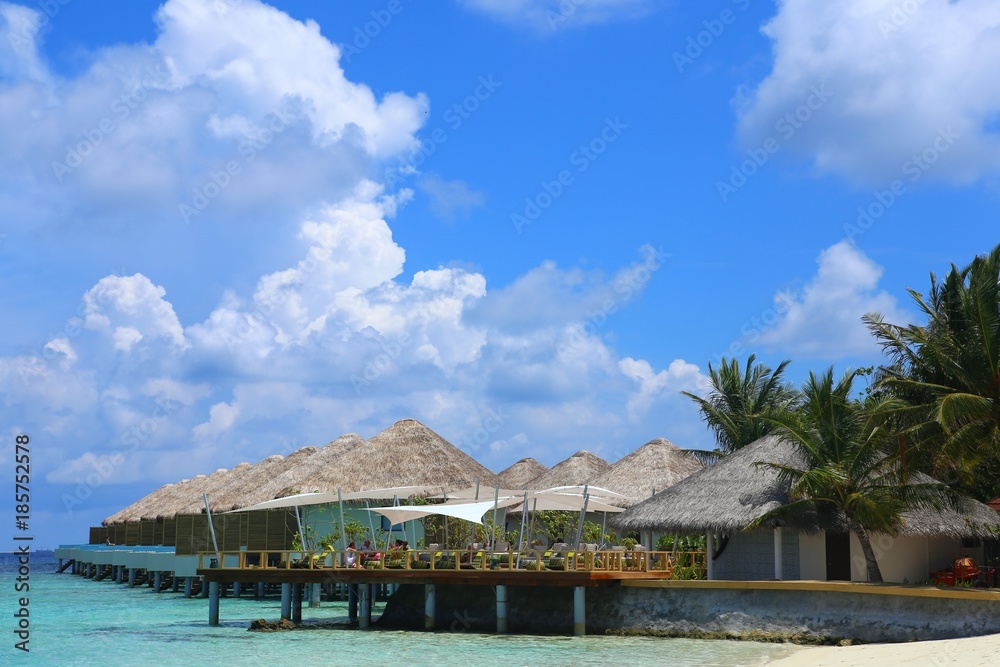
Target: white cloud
[222, 416]
[131, 308]
[232, 112]
[678, 376]
[899, 76]
[548, 15]
[824, 319]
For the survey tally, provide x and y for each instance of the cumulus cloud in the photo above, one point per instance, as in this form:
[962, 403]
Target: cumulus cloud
[823, 320]
[230, 107]
[677, 377]
[899, 76]
[548, 15]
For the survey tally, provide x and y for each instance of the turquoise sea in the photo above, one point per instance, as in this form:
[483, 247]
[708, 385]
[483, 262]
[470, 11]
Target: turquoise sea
[75, 621]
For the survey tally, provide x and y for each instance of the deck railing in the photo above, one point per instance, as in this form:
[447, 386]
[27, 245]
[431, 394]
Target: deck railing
[668, 564]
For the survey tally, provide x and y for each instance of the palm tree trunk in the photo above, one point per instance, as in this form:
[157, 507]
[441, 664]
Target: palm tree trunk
[874, 573]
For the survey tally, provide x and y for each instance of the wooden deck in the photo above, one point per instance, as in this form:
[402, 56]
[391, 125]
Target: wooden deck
[588, 568]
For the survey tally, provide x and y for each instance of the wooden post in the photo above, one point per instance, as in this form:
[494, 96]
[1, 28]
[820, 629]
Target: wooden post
[709, 550]
[501, 610]
[778, 565]
[579, 611]
[213, 603]
[429, 606]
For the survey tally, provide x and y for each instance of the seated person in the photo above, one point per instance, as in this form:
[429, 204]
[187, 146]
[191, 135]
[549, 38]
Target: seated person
[351, 557]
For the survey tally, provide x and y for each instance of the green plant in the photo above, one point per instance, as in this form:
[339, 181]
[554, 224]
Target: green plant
[629, 543]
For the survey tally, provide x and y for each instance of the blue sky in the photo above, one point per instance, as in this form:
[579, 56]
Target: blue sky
[232, 229]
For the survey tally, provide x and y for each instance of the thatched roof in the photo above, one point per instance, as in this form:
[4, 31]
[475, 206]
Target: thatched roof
[653, 467]
[318, 473]
[133, 511]
[217, 486]
[730, 494]
[408, 454]
[580, 468]
[521, 474]
[250, 488]
[181, 495]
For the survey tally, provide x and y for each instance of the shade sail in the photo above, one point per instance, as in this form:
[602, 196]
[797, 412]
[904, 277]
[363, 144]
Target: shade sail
[301, 499]
[562, 501]
[592, 491]
[467, 511]
[297, 500]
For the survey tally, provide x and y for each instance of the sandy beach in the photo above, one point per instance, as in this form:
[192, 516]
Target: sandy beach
[968, 652]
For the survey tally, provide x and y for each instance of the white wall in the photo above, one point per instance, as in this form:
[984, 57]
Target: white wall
[812, 556]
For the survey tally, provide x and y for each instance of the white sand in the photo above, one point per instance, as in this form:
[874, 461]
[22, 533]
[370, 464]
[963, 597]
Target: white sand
[969, 652]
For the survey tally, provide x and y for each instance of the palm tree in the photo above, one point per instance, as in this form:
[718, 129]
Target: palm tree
[947, 371]
[739, 401]
[847, 467]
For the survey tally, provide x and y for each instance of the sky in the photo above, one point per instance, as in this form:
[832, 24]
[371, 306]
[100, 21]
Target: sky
[230, 229]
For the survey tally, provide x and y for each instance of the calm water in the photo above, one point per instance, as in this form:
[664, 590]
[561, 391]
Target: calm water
[75, 621]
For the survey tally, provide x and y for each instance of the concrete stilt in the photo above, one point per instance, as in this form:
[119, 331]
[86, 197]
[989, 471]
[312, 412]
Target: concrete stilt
[429, 606]
[286, 602]
[177, 581]
[204, 589]
[237, 589]
[314, 596]
[297, 603]
[579, 611]
[157, 581]
[213, 603]
[501, 610]
[352, 602]
[188, 584]
[366, 609]
[131, 577]
[260, 590]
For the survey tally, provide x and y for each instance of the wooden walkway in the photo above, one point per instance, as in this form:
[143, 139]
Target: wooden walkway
[577, 570]
[567, 568]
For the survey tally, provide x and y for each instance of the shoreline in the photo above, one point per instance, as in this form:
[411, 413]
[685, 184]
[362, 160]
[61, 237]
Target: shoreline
[983, 651]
